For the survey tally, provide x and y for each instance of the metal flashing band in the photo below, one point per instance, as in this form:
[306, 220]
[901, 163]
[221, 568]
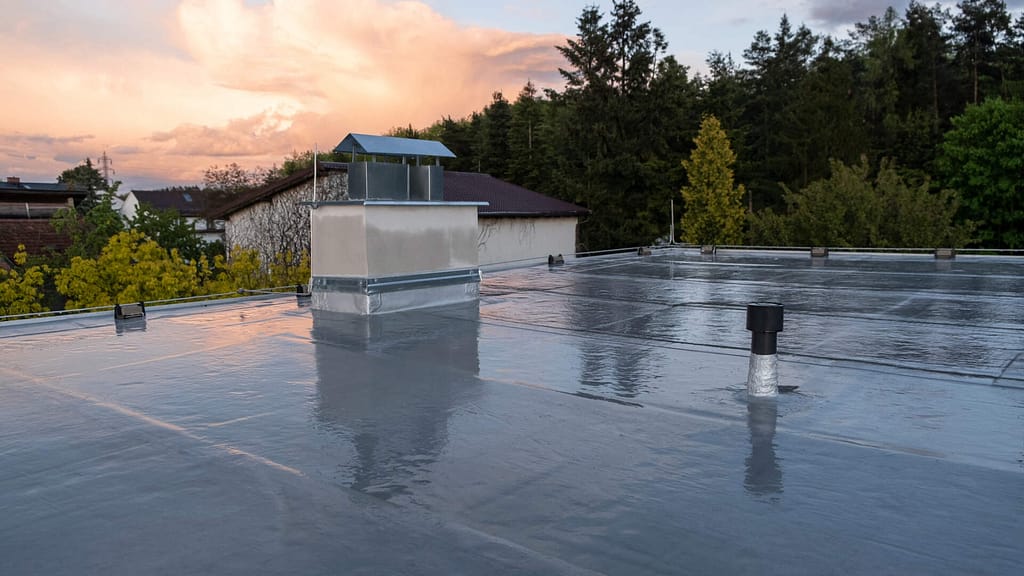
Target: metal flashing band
[763, 376]
[395, 283]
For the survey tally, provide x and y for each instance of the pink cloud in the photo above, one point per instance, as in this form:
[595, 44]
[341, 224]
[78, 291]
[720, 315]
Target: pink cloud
[214, 81]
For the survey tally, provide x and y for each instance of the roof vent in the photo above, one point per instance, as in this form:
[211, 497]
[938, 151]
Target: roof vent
[137, 310]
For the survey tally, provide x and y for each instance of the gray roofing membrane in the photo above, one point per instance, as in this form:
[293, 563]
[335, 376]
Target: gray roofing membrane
[584, 419]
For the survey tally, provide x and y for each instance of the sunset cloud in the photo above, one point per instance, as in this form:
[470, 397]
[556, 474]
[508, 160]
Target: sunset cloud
[214, 81]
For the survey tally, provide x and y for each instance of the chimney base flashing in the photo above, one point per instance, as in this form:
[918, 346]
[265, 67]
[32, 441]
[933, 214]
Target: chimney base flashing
[369, 296]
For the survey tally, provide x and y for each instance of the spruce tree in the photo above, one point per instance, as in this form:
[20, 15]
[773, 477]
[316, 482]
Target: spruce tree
[714, 207]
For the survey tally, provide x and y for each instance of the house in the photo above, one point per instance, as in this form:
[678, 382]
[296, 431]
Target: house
[516, 225]
[25, 212]
[193, 204]
[270, 218]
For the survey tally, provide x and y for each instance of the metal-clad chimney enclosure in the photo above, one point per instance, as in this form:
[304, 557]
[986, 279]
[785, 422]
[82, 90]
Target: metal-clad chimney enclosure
[395, 244]
[764, 320]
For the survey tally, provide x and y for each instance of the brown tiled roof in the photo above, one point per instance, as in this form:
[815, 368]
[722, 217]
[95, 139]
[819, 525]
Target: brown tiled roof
[504, 198]
[36, 234]
[188, 202]
[268, 191]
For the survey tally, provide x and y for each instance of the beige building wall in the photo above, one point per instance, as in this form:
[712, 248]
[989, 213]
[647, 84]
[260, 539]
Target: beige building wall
[505, 240]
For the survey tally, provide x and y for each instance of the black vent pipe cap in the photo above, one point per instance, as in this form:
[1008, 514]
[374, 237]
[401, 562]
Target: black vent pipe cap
[764, 317]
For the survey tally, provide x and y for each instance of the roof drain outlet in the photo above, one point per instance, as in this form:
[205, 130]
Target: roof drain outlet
[764, 320]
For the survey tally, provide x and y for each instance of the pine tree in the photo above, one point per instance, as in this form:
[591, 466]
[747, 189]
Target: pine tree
[714, 208]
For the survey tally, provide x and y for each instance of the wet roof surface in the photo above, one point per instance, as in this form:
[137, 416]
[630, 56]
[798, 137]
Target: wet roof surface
[588, 419]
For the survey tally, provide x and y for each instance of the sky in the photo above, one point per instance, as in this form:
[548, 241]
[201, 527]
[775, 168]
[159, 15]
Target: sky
[169, 88]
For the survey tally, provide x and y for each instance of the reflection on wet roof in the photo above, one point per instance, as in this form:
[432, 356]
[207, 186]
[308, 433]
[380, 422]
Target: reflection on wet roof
[584, 419]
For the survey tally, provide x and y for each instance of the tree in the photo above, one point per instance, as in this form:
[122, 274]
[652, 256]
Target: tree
[246, 270]
[170, 230]
[607, 130]
[85, 176]
[301, 160]
[528, 155]
[777, 66]
[233, 179]
[713, 207]
[722, 92]
[983, 158]
[130, 268]
[497, 120]
[21, 288]
[981, 26]
[853, 208]
[925, 74]
[876, 43]
[825, 122]
[89, 231]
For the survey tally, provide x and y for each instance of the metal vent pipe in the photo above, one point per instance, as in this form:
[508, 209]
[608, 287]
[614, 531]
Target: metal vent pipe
[764, 320]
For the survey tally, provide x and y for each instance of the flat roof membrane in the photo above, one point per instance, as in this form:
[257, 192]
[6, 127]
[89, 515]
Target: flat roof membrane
[589, 418]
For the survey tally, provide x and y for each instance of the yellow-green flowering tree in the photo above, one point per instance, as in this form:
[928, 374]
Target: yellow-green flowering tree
[246, 270]
[130, 268]
[714, 208]
[285, 272]
[21, 288]
[243, 271]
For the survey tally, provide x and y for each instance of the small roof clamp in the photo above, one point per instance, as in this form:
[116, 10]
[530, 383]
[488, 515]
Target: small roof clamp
[302, 297]
[708, 250]
[764, 321]
[136, 310]
[555, 260]
[643, 251]
[945, 253]
[819, 252]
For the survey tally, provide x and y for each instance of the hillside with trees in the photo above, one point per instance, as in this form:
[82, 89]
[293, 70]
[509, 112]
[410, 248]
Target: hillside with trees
[930, 95]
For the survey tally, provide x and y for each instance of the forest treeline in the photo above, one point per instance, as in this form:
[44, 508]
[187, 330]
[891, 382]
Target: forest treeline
[925, 104]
